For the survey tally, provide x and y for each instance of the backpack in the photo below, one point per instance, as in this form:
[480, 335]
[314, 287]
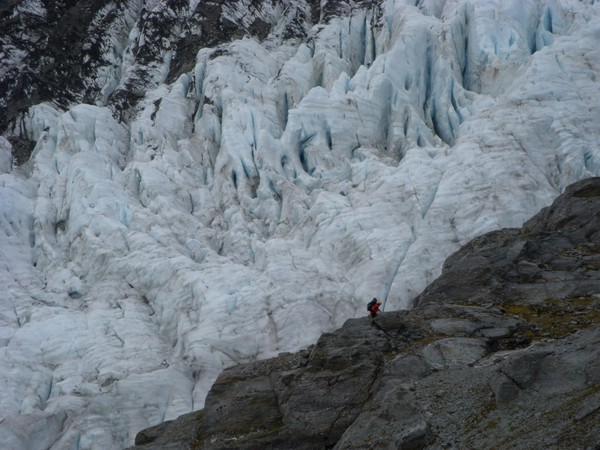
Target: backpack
[371, 304]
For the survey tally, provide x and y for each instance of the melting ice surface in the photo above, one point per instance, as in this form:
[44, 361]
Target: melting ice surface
[265, 196]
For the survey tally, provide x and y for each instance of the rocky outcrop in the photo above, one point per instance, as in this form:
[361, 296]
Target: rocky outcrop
[502, 351]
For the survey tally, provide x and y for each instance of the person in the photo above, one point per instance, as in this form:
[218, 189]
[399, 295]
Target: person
[374, 307]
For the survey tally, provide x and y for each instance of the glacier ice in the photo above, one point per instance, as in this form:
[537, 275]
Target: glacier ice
[261, 198]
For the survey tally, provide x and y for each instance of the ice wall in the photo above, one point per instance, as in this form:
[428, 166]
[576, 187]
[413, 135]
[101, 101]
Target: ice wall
[264, 196]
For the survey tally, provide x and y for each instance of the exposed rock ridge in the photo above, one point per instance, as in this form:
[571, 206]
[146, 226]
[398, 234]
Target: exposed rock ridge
[501, 351]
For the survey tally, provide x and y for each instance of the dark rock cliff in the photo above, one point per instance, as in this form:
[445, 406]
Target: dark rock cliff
[502, 351]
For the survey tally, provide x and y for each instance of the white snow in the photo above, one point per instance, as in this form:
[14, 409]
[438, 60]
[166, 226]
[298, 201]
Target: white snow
[264, 197]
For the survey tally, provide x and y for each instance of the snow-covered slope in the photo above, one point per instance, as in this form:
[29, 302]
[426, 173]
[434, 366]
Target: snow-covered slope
[190, 214]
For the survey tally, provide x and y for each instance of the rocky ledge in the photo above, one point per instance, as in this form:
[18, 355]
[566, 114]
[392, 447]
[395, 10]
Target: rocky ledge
[502, 351]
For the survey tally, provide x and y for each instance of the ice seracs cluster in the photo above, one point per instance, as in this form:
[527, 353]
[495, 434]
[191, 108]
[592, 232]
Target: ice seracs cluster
[247, 205]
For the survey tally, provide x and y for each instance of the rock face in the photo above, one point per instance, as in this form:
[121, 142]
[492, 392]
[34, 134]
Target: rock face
[503, 351]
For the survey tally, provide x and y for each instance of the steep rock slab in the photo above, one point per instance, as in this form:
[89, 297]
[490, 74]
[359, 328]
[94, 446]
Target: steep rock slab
[553, 257]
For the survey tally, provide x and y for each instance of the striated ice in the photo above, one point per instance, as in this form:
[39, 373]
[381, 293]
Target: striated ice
[263, 197]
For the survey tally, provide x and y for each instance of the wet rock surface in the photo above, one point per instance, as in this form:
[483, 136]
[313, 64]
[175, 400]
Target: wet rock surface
[501, 351]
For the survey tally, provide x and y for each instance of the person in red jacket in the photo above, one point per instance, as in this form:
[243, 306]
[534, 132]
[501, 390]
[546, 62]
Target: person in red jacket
[373, 307]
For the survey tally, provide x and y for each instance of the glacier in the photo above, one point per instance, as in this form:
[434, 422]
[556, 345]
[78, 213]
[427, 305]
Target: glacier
[263, 195]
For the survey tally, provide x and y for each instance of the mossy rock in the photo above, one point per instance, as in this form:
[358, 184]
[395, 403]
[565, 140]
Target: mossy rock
[556, 318]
